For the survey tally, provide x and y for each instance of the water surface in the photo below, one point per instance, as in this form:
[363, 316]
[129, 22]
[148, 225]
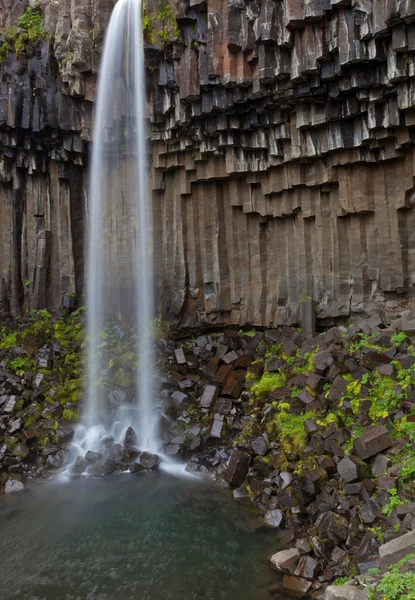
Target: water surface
[131, 537]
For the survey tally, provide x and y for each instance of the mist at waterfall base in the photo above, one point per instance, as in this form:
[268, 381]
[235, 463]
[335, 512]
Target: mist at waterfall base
[142, 538]
[119, 269]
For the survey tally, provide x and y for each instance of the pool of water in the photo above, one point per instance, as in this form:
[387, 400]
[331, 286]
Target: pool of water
[144, 537]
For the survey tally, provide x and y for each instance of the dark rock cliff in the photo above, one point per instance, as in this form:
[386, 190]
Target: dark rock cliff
[282, 155]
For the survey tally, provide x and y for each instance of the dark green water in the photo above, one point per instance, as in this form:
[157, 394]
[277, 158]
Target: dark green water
[144, 537]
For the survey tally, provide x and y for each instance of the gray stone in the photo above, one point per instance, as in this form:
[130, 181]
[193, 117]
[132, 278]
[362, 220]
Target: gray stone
[209, 397]
[274, 518]
[13, 486]
[372, 442]
[284, 559]
[393, 551]
[149, 461]
[259, 445]
[345, 592]
[380, 465]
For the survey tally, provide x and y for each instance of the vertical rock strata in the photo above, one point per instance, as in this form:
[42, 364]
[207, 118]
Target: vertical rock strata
[282, 144]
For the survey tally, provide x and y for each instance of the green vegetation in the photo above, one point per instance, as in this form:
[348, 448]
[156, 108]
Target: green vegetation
[168, 24]
[289, 428]
[267, 383]
[147, 26]
[393, 503]
[398, 338]
[395, 585]
[167, 21]
[28, 31]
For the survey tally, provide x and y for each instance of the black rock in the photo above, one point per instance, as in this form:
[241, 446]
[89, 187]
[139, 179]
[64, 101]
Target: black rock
[93, 457]
[149, 461]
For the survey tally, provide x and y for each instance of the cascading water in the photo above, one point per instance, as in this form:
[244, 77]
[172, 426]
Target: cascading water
[119, 275]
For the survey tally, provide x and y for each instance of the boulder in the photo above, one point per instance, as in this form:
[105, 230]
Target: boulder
[345, 592]
[372, 442]
[80, 465]
[332, 526]
[296, 587]
[209, 396]
[380, 465]
[350, 469]
[393, 551]
[93, 457]
[55, 461]
[259, 445]
[237, 468]
[307, 568]
[149, 461]
[322, 360]
[13, 486]
[274, 518]
[285, 559]
[130, 438]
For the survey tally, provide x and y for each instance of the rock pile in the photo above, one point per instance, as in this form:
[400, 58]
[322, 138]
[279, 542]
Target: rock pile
[317, 431]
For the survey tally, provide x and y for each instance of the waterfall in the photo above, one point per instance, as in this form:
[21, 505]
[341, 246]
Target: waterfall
[119, 269]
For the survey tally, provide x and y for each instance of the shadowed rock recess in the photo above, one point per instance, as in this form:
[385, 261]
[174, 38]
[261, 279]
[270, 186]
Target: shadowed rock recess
[282, 144]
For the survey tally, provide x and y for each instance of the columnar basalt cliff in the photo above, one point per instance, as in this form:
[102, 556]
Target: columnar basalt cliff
[282, 142]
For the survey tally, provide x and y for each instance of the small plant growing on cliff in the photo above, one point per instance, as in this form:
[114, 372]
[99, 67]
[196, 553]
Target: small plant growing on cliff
[29, 30]
[393, 503]
[398, 338]
[395, 585]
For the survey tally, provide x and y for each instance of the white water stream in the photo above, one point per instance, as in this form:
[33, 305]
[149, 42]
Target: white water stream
[119, 270]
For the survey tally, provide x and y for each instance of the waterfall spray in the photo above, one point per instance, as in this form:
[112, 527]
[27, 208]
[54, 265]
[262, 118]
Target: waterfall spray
[119, 272]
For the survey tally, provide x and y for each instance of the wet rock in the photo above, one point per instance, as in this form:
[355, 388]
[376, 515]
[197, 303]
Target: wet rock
[237, 468]
[137, 467]
[295, 586]
[115, 453]
[107, 467]
[372, 442]
[93, 457]
[55, 461]
[149, 461]
[274, 518]
[130, 439]
[285, 559]
[173, 449]
[332, 526]
[13, 486]
[393, 551]
[80, 465]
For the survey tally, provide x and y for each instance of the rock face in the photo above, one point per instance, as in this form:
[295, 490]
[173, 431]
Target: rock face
[282, 155]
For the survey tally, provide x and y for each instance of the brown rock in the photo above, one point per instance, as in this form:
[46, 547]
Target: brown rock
[372, 442]
[237, 468]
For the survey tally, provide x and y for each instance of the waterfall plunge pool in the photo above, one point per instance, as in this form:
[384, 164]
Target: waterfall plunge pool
[144, 537]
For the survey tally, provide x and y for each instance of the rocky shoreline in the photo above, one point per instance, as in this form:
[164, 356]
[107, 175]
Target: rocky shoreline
[316, 430]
